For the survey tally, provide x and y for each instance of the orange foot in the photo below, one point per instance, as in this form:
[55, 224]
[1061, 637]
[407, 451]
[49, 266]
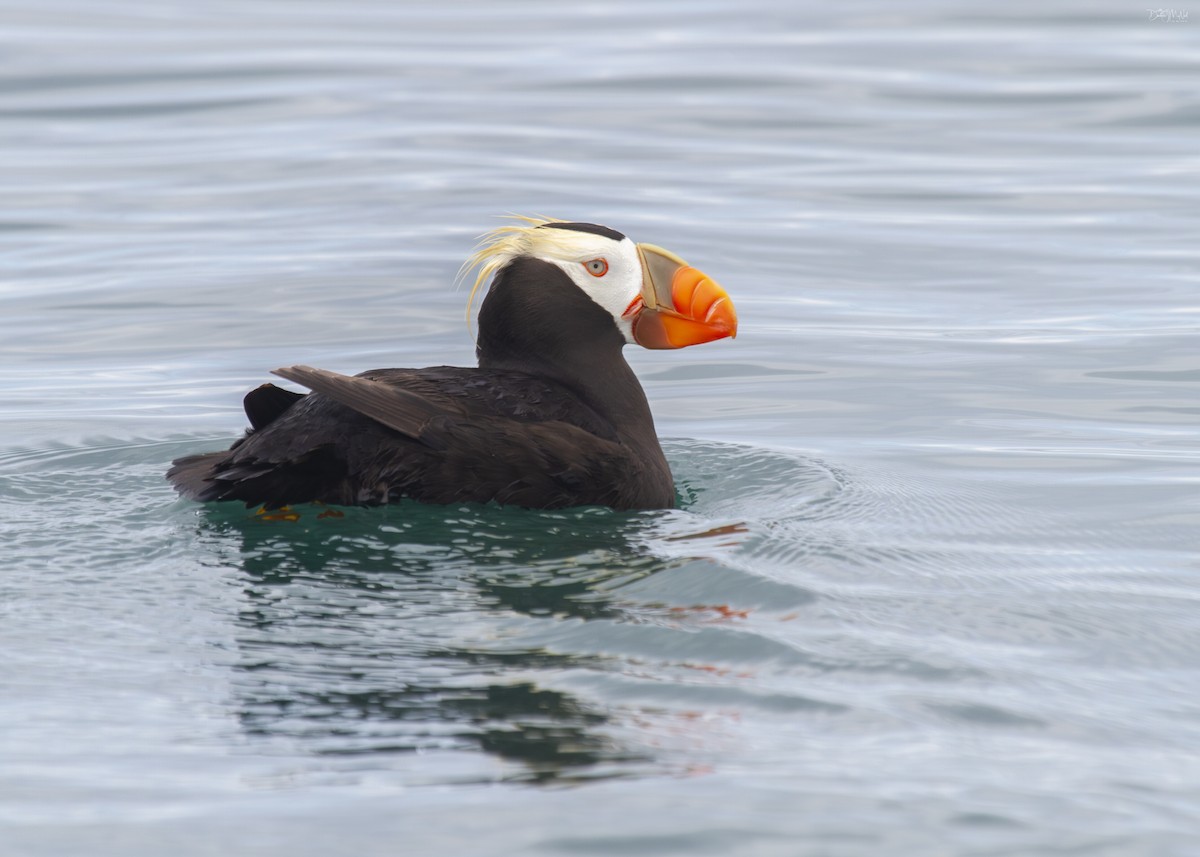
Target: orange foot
[284, 513]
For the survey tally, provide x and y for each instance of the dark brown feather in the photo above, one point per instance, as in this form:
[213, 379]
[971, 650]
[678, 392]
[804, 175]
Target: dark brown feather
[265, 403]
[552, 417]
[392, 406]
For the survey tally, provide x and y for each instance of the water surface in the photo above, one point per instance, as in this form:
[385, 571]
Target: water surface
[932, 585]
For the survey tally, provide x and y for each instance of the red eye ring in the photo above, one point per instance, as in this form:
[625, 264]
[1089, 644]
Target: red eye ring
[596, 267]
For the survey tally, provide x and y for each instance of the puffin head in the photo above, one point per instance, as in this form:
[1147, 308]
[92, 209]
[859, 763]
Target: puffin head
[548, 269]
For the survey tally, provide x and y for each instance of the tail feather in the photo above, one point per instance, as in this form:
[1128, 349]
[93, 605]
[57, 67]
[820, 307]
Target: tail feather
[318, 474]
[193, 475]
[267, 403]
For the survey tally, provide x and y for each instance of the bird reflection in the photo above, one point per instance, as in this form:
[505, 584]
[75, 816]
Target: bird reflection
[399, 628]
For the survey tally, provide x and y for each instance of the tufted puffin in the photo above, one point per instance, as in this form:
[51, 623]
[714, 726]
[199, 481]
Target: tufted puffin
[552, 417]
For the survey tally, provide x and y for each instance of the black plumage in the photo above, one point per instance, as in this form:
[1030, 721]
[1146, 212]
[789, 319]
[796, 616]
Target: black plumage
[553, 417]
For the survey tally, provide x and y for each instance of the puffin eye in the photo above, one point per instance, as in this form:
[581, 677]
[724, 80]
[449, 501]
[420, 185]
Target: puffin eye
[597, 267]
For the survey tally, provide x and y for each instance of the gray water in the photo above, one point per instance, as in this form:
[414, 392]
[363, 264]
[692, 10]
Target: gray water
[933, 588]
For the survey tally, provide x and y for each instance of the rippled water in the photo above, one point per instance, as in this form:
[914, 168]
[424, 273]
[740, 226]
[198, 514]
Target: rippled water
[932, 588]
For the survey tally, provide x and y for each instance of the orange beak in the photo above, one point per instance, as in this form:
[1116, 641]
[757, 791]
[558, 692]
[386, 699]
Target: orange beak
[679, 305]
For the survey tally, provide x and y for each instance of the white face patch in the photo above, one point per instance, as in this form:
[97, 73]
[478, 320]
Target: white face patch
[608, 271]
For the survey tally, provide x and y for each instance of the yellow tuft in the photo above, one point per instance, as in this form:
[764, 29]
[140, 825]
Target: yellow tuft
[498, 247]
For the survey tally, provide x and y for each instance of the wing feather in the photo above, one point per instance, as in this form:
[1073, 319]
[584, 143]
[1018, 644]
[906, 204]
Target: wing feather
[394, 407]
